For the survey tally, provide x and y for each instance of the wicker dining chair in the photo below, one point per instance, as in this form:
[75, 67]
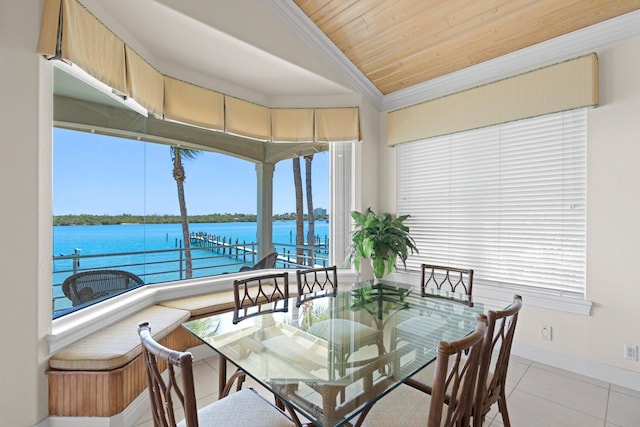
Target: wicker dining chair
[313, 280]
[347, 336]
[87, 286]
[444, 278]
[453, 393]
[458, 284]
[492, 383]
[255, 295]
[455, 379]
[243, 408]
[260, 294]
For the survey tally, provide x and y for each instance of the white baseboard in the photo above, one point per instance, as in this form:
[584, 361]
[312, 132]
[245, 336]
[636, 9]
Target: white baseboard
[126, 418]
[600, 371]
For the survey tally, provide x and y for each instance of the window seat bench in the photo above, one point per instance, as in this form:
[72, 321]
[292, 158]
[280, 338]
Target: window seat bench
[101, 374]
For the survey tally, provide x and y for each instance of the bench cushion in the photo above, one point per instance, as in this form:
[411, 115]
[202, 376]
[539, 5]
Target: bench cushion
[215, 302]
[117, 344]
[200, 305]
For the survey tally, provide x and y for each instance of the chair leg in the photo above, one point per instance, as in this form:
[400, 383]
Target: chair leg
[278, 402]
[502, 407]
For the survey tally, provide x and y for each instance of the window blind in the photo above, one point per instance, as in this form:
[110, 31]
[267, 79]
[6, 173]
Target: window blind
[508, 201]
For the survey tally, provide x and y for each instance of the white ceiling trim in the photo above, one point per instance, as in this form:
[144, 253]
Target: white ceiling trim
[304, 26]
[561, 48]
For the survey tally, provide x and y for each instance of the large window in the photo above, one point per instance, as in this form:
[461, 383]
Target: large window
[116, 206]
[507, 201]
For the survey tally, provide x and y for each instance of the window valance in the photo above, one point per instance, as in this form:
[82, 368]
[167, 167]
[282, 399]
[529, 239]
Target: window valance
[560, 87]
[69, 32]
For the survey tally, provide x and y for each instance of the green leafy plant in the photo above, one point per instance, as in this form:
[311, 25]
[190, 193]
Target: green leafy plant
[382, 239]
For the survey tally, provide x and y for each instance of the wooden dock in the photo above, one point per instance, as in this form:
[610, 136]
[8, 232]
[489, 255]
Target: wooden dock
[248, 252]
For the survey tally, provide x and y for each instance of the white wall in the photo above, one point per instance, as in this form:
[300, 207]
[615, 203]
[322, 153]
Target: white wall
[25, 228]
[613, 229]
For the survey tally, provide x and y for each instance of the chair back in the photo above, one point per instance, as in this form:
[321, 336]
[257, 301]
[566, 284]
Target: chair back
[317, 279]
[444, 278]
[268, 261]
[456, 374]
[164, 388]
[93, 285]
[501, 328]
[260, 294]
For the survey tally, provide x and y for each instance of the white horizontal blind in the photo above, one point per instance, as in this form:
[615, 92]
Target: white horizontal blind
[508, 201]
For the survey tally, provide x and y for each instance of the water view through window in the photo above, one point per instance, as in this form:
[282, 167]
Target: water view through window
[116, 206]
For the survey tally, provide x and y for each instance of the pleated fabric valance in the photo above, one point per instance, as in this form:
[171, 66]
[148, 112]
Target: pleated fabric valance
[560, 87]
[187, 103]
[69, 32]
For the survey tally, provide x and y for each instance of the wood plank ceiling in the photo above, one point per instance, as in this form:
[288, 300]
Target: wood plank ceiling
[399, 43]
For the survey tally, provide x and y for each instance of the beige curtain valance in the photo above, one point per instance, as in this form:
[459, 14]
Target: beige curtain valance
[73, 34]
[101, 55]
[247, 119]
[292, 124]
[195, 105]
[68, 31]
[565, 86]
[145, 84]
[337, 124]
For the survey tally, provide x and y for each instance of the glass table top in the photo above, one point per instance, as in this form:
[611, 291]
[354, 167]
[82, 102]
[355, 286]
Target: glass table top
[331, 355]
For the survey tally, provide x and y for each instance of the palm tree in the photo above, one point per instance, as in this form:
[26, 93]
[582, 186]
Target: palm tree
[311, 236]
[177, 155]
[297, 181]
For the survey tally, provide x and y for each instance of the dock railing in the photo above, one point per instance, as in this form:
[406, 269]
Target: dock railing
[211, 256]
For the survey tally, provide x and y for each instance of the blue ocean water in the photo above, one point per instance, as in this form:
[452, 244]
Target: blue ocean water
[93, 242]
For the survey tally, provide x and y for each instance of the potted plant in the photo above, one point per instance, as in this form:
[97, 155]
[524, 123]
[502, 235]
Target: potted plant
[382, 239]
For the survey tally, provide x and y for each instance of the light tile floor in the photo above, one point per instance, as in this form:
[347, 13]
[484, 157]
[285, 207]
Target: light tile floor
[539, 395]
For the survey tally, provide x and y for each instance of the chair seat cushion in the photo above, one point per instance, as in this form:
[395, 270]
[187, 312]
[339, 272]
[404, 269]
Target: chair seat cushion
[241, 409]
[119, 343]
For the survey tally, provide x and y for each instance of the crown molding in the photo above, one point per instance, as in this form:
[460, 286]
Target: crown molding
[307, 29]
[546, 53]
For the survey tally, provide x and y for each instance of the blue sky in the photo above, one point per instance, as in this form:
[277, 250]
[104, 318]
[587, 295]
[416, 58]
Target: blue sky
[97, 174]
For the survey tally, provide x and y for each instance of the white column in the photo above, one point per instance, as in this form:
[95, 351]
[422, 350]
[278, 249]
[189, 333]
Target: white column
[25, 190]
[264, 232]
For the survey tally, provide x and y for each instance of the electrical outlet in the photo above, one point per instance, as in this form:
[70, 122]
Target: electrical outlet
[631, 352]
[545, 332]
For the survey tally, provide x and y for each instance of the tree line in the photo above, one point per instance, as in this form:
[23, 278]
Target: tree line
[88, 219]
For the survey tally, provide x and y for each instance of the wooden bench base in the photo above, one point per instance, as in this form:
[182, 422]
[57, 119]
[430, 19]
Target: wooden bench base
[105, 393]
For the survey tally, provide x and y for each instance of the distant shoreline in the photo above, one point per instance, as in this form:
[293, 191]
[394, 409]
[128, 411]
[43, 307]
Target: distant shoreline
[87, 219]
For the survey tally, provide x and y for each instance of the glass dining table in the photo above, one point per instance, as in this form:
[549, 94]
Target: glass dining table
[295, 347]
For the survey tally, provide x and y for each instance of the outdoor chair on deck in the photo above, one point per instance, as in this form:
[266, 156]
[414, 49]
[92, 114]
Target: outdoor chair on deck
[88, 286]
[243, 408]
[267, 262]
